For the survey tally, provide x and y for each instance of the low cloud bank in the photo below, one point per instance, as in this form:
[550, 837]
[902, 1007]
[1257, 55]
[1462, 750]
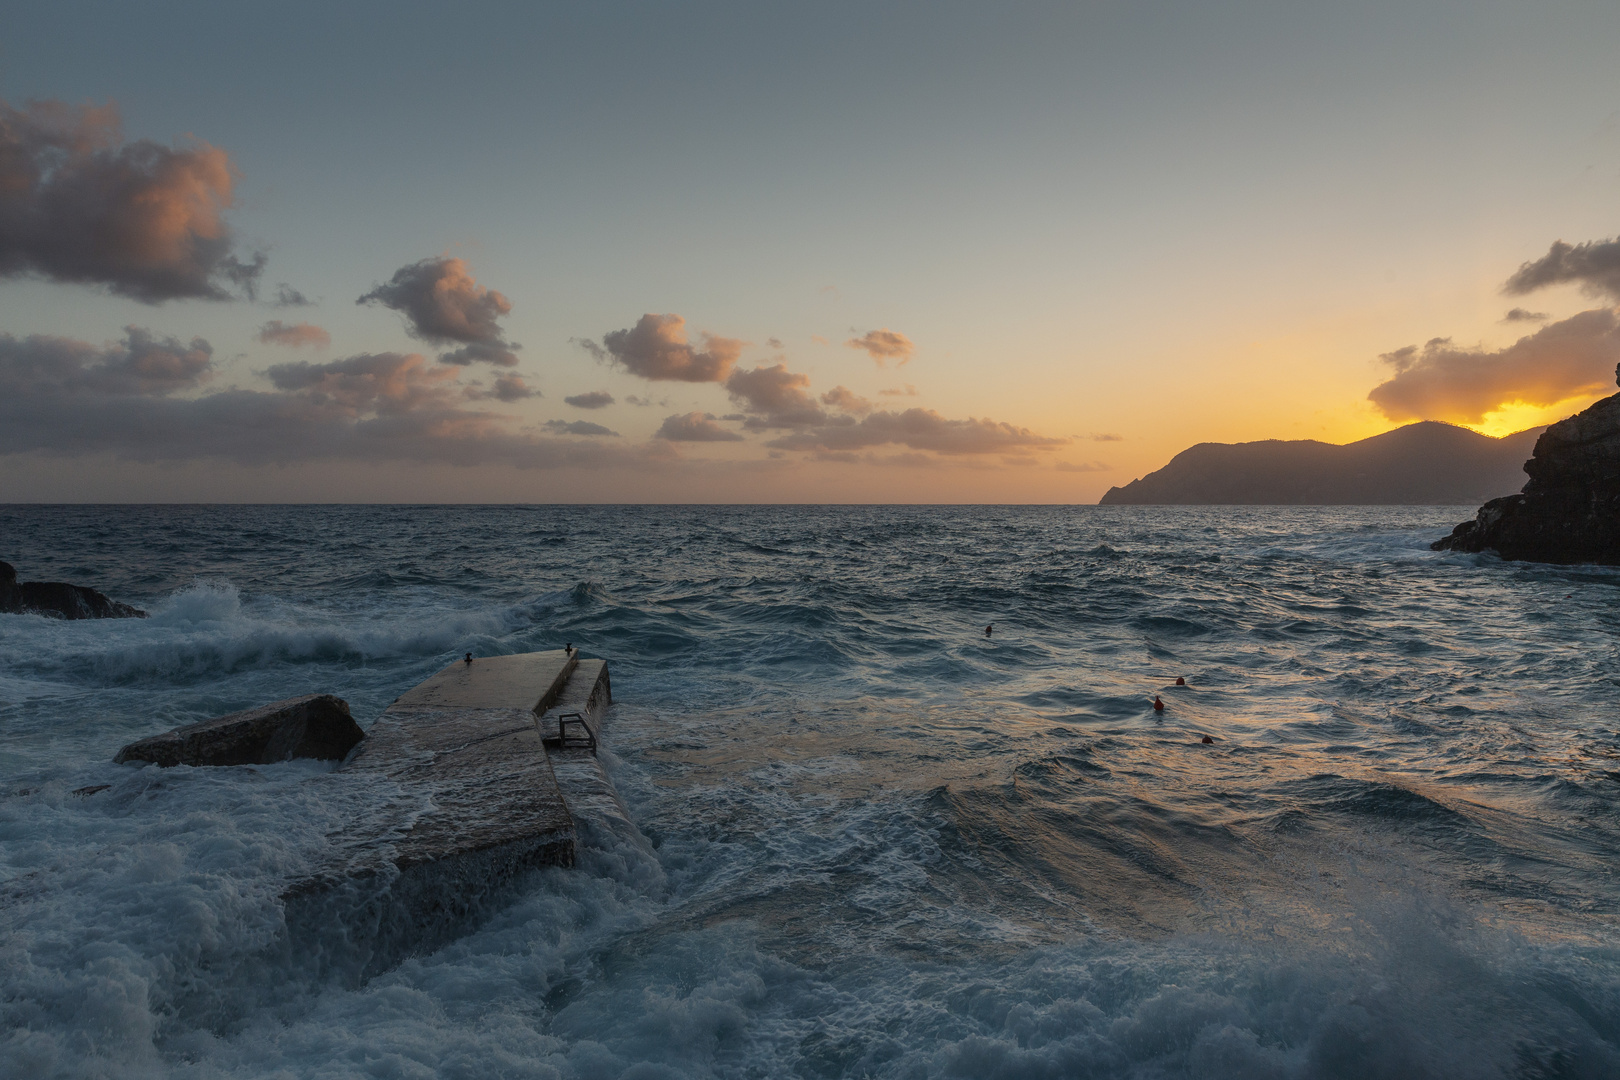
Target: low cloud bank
[919, 429]
[79, 205]
[134, 399]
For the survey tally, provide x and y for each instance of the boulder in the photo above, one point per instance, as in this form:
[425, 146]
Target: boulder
[58, 599]
[312, 726]
[1569, 511]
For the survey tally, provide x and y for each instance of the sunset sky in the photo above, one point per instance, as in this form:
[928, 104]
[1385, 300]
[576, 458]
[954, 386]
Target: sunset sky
[833, 252]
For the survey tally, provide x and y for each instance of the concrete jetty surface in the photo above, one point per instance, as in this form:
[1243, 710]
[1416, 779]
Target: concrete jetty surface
[466, 748]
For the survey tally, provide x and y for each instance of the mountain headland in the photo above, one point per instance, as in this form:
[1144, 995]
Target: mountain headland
[1423, 464]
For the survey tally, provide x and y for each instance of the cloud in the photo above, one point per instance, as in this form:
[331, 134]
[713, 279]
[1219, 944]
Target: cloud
[287, 296]
[899, 391]
[656, 348]
[509, 387]
[1594, 265]
[142, 365]
[388, 383]
[1082, 466]
[77, 204]
[1519, 314]
[444, 305]
[846, 400]
[595, 399]
[138, 399]
[919, 429]
[775, 397]
[882, 345]
[577, 427]
[1107, 436]
[646, 402]
[1443, 382]
[695, 427]
[275, 332]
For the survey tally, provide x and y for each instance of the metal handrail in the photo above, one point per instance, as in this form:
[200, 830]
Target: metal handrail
[578, 718]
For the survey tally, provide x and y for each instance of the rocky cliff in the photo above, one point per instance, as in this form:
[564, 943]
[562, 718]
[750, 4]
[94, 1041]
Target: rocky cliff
[1569, 512]
[58, 599]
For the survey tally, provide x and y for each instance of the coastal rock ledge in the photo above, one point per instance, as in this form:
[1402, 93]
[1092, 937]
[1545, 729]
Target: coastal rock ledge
[57, 599]
[1569, 512]
[312, 726]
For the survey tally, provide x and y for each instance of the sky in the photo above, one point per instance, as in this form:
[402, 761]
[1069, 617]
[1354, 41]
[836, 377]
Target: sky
[659, 252]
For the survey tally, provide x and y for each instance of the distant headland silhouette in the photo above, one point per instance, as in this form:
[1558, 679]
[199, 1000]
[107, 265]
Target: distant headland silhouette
[1424, 464]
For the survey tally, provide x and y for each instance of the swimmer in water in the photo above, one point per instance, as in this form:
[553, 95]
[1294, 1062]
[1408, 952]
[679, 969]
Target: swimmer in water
[988, 630]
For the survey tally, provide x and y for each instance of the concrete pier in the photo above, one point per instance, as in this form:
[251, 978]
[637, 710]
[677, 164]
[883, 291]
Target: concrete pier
[467, 748]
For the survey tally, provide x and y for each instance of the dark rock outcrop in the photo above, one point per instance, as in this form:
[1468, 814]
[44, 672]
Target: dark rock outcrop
[1423, 464]
[58, 599]
[312, 726]
[1569, 512]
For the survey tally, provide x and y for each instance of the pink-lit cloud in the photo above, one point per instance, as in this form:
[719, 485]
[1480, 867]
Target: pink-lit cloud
[78, 204]
[846, 400]
[656, 347]
[883, 345]
[774, 397]
[444, 305]
[275, 332]
[384, 382]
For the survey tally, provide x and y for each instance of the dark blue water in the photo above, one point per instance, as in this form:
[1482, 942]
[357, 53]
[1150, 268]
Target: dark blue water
[886, 845]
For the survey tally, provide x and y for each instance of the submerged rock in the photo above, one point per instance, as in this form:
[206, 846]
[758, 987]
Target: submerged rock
[312, 726]
[1569, 512]
[58, 599]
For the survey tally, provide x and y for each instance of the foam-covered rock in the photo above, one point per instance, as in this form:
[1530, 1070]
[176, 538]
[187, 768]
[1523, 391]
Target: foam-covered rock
[312, 726]
[58, 599]
[1569, 511]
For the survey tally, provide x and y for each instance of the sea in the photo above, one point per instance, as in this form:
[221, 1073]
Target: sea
[871, 840]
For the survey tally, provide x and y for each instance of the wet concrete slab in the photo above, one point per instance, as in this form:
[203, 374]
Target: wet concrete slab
[525, 680]
[463, 750]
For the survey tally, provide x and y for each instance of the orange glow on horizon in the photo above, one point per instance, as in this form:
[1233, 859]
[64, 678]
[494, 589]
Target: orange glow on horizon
[1519, 415]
